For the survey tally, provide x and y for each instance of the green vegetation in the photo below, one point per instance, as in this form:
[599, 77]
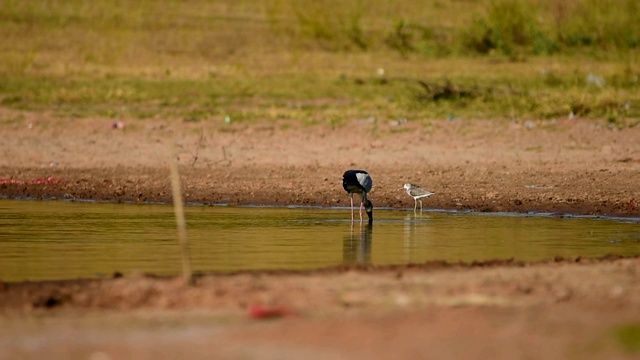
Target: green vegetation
[629, 337]
[322, 61]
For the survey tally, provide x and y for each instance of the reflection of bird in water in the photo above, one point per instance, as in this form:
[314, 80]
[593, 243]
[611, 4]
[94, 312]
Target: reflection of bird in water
[359, 182]
[417, 193]
[357, 249]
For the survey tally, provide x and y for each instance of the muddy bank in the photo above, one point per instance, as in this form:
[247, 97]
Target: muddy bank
[503, 310]
[572, 166]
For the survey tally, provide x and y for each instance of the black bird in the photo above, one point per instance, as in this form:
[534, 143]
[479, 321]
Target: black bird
[359, 182]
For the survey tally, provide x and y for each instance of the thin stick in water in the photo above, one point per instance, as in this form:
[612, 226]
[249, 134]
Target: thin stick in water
[179, 213]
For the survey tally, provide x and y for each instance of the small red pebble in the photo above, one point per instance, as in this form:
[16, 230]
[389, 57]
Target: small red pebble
[263, 312]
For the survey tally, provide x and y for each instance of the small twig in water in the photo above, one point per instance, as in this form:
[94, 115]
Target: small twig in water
[179, 213]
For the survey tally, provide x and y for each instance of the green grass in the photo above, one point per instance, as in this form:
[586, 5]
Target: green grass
[628, 336]
[318, 61]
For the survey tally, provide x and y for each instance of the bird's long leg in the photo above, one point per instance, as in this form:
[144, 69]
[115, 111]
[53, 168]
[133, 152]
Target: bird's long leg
[363, 199]
[352, 217]
[420, 205]
[415, 206]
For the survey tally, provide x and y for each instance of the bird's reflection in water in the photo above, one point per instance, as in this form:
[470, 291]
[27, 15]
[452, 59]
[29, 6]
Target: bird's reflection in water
[416, 215]
[356, 248]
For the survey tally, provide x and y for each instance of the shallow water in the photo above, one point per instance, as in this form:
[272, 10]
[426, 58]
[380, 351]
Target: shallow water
[58, 240]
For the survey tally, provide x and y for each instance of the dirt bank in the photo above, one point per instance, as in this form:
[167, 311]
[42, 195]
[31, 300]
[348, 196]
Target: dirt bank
[503, 310]
[569, 166]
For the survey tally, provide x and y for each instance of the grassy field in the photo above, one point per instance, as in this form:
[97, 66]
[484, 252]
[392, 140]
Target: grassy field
[322, 61]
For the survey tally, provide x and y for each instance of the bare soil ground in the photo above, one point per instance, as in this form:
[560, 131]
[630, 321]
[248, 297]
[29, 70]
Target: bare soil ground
[572, 308]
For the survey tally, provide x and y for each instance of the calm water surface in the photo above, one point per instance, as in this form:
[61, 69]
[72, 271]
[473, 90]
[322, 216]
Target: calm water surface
[57, 240]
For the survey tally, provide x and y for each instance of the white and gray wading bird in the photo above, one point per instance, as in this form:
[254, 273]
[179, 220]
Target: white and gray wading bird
[417, 193]
[359, 182]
